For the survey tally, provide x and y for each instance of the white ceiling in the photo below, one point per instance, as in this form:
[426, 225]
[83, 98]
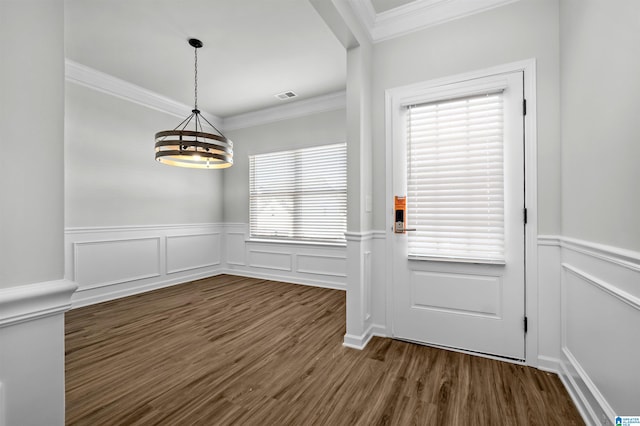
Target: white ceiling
[252, 50]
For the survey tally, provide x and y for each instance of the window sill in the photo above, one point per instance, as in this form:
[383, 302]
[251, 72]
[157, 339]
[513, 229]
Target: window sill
[297, 242]
[455, 260]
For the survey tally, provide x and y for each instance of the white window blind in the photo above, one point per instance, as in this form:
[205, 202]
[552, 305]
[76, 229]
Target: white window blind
[455, 185]
[299, 194]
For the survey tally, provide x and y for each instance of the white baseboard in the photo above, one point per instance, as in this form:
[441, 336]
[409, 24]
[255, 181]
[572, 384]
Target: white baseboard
[380, 330]
[360, 342]
[113, 262]
[319, 265]
[557, 367]
[282, 278]
[89, 297]
[550, 365]
[357, 342]
[593, 407]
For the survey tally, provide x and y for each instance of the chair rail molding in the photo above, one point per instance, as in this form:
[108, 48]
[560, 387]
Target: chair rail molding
[33, 301]
[32, 352]
[598, 310]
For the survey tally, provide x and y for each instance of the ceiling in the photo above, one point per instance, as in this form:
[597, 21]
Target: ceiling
[253, 49]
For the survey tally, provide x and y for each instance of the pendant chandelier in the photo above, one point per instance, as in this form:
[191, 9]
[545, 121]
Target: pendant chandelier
[194, 148]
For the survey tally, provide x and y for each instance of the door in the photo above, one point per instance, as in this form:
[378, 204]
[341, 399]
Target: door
[459, 268]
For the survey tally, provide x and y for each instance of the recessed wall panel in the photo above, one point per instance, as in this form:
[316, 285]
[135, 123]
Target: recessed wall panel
[270, 260]
[187, 252]
[322, 265]
[100, 263]
[459, 293]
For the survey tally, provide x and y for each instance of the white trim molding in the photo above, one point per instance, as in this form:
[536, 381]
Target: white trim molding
[301, 108]
[612, 290]
[416, 15]
[599, 308]
[33, 301]
[32, 352]
[315, 264]
[359, 284]
[117, 261]
[358, 341]
[105, 83]
[626, 258]
[96, 80]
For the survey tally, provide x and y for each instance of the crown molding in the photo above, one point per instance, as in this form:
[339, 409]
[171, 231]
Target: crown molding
[324, 103]
[416, 15]
[88, 77]
[105, 83]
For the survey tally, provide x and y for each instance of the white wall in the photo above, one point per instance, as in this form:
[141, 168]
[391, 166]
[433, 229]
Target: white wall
[600, 48]
[311, 130]
[599, 283]
[522, 30]
[112, 178]
[31, 131]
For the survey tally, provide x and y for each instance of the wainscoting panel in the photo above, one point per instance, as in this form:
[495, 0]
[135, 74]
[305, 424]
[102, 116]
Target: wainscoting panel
[102, 263]
[188, 252]
[270, 259]
[599, 289]
[112, 262]
[235, 247]
[320, 265]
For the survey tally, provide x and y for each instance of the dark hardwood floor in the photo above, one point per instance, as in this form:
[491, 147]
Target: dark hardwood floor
[232, 350]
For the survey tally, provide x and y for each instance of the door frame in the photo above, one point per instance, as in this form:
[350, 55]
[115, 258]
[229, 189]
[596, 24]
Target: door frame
[401, 95]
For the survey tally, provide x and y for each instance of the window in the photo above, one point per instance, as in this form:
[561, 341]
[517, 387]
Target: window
[299, 194]
[455, 182]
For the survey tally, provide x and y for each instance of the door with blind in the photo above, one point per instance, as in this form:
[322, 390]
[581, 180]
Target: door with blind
[459, 269]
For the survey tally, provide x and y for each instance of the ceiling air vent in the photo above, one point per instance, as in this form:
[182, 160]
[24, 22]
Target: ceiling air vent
[285, 95]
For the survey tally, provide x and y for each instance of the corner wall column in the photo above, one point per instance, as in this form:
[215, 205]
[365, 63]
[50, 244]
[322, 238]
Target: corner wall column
[33, 295]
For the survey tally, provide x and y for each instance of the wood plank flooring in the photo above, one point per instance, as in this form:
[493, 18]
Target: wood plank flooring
[233, 350]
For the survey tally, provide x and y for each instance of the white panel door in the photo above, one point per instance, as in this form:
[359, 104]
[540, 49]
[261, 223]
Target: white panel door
[445, 298]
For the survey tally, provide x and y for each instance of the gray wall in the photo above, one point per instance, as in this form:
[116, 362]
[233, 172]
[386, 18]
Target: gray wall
[312, 130]
[600, 46]
[112, 178]
[522, 30]
[31, 132]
